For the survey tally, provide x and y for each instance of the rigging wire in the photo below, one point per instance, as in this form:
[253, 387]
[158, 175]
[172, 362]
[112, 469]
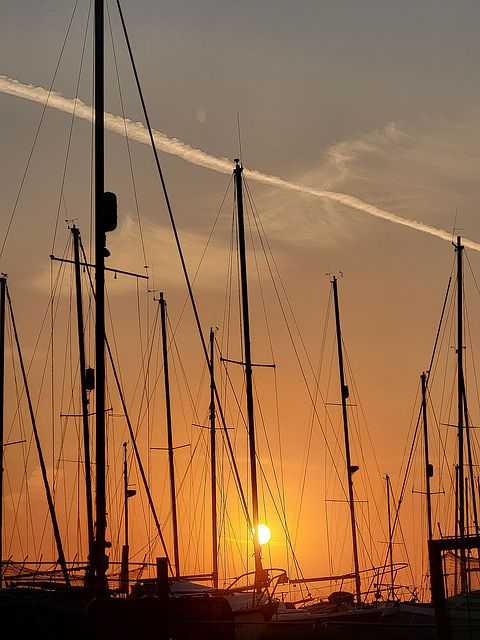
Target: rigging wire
[306, 455]
[473, 359]
[265, 243]
[328, 446]
[127, 143]
[278, 288]
[410, 455]
[34, 144]
[179, 248]
[26, 446]
[447, 403]
[132, 435]
[355, 422]
[38, 446]
[61, 198]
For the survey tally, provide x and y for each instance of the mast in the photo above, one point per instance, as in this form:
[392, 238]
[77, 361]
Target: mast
[3, 286]
[428, 466]
[170, 438]
[127, 493]
[83, 385]
[213, 465]
[100, 560]
[43, 468]
[105, 220]
[461, 397]
[460, 380]
[390, 538]
[350, 468]
[124, 565]
[248, 374]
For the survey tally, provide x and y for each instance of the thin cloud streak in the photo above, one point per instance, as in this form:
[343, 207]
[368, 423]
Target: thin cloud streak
[137, 131]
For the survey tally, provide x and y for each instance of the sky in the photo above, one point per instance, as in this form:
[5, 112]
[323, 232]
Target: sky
[375, 100]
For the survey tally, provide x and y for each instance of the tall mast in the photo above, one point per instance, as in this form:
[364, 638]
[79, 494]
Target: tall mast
[461, 395]
[105, 220]
[248, 372]
[463, 425]
[428, 466]
[43, 468]
[460, 380]
[390, 538]
[83, 389]
[170, 438]
[101, 520]
[350, 469]
[3, 286]
[213, 465]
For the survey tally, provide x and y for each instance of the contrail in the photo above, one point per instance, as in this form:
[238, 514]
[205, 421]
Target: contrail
[137, 131]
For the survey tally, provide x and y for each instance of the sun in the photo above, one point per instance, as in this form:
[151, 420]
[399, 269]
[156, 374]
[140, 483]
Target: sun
[264, 533]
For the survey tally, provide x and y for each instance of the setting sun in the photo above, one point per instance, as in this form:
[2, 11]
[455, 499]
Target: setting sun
[264, 533]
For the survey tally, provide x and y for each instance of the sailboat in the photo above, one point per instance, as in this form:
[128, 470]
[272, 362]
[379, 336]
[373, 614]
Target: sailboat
[454, 559]
[456, 612]
[453, 613]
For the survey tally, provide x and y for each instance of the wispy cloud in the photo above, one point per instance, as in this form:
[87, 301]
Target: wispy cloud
[137, 131]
